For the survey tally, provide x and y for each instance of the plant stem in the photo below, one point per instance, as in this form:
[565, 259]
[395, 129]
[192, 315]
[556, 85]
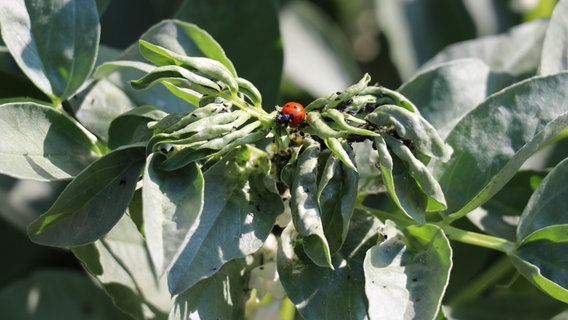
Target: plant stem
[478, 239]
[482, 282]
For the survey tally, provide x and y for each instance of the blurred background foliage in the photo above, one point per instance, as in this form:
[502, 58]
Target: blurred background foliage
[290, 49]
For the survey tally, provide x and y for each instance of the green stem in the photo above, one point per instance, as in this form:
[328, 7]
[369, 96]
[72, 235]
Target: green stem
[262, 116]
[478, 239]
[482, 282]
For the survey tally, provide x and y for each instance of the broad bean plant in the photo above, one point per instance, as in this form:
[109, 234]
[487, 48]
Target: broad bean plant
[200, 202]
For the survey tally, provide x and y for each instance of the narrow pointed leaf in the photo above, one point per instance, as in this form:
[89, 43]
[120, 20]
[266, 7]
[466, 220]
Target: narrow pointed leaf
[304, 206]
[55, 42]
[42, 143]
[407, 274]
[92, 203]
[400, 185]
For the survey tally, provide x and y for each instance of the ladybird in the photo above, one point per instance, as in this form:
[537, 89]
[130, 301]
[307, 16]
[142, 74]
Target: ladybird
[292, 114]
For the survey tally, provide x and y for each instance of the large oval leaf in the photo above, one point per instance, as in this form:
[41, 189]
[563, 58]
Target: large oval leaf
[55, 42]
[554, 57]
[239, 212]
[516, 52]
[445, 93]
[547, 206]
[172, 202]
[121, 264]
[325, 293]
[492, 142]
[93, 202]
[210, 299]
[41, 143]
[406, 276]
[541, 258]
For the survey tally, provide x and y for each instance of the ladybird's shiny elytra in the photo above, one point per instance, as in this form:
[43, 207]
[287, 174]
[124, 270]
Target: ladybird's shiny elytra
[292, 114]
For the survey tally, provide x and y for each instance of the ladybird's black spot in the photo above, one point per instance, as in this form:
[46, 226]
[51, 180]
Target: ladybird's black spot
[385, 236]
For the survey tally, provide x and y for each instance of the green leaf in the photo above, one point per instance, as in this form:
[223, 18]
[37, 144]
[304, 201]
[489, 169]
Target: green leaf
[501, 215]
[411, 126]
[554, 57]
[306, 214]
[541, 258]
[400, 185]
[204, 66]
[42, 143]
[322, 292]
[93, 202]
[367, 160]
[240, 209]
[236, 28]
[516, 52]
[336, 196]
[420, 173]
[521, 121]
[407, 274]
[172, 202]
[121, 264]
[56, 294]
[221, 296]
[548, 205]
[113, 95]
[132, 126]
[55, 42]
[446, 92]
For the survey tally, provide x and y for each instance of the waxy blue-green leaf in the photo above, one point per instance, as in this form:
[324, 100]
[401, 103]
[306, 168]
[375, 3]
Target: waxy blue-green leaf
[241, 205]
[325, 293]
[210, 299]
[336, 196]
[42, 143]
[400, 185]
[120, 262]
[132, 126]
[407, 274]
[492, 142]
[547, 206]
[55, 42]
[445, 93]
[516, 52]
[306, 213]
[421, 174]
[411, 126]
[113, 95]
[541, 258]
[172, 202]
[554, 56]
[93, 202]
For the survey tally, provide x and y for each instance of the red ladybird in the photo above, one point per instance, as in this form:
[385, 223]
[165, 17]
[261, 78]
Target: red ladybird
[292, 114]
